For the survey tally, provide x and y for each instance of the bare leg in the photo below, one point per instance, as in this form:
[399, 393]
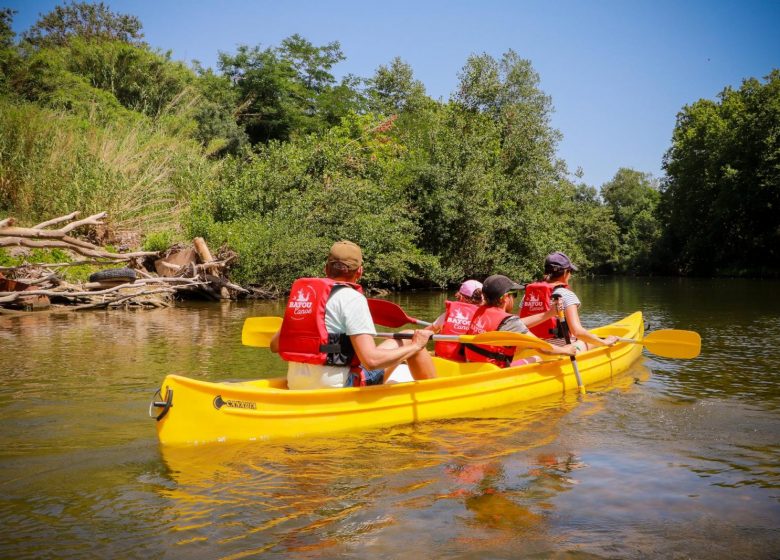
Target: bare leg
[420, 365]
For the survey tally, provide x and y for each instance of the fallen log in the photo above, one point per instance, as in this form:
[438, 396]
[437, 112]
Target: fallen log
[37, 237]
[182, 271]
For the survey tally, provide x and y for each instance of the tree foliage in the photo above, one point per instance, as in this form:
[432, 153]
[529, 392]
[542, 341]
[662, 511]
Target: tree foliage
[85, 20]
[273, 155]
[393, 89]
[288, 89]
[722, 194]
[632, 197]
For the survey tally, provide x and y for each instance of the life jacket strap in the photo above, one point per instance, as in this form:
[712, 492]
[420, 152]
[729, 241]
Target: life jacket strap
[488, 354]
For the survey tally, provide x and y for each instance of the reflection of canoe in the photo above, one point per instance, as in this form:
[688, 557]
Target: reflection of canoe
[201, 412]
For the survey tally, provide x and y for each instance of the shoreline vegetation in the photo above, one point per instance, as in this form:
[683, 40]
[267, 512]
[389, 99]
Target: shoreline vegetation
[273, 158]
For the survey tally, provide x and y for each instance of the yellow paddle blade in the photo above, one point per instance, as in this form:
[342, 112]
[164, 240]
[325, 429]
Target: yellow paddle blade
[504, 338]
[258, 331]
[673, 343]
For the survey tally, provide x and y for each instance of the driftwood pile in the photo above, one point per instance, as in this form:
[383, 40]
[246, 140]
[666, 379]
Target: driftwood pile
[142, 279]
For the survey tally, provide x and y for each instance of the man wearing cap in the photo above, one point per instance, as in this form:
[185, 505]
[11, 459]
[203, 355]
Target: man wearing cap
[557, 273]
[456, 319]
[496, 315]
[327, 334]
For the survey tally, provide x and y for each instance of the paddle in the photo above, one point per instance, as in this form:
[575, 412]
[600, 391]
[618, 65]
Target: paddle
[388, 314]
[492, 338]
[564, 326]
[258, 331]
[670, 343]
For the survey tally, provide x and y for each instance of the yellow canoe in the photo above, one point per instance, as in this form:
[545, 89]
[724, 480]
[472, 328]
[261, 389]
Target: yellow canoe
[191, 412]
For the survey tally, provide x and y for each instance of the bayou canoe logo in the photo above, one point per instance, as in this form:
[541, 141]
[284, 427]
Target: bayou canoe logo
[533, 304]
[459, 322]
[479, 326]
[219, 402]
[301, 303]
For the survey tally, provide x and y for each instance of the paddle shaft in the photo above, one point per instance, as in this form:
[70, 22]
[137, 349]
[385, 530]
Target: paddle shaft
[563, 327]
[406, 336]
[491, 338]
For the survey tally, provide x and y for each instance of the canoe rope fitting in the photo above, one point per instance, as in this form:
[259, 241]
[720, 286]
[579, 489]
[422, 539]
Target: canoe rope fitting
[165, 405]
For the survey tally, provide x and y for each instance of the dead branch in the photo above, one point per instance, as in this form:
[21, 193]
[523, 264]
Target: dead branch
[66, 291]
[38, 238]
[114, 302]
[57, 220]
[89, 220]
[188, 271]
[95, 253]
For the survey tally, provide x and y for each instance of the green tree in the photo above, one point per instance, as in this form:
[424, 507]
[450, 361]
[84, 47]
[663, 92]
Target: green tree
[337, 184]
[141, 80]
[632, 198]
[9, 59]
[289, 89]
[508, 91]
[7, 34]
[217, 128]
[721, 197]
[86, 20]
[393, 89]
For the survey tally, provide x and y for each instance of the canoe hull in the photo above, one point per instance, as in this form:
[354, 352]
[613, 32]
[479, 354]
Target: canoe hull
[202, 412]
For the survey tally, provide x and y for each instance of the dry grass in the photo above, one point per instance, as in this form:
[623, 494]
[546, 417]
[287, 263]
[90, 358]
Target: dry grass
[143, 176]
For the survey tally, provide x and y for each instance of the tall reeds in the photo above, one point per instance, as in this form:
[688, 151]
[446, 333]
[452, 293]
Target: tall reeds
[52, 163]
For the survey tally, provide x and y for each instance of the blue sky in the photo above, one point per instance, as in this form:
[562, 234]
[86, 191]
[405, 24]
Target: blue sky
[618, 71]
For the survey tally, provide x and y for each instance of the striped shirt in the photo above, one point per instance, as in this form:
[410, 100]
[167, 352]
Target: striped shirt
[569, 298]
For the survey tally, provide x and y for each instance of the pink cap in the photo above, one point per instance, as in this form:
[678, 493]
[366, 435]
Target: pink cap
[468, 287]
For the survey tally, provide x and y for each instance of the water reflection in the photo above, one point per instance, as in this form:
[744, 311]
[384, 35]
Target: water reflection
[677, 458]
[347, 492]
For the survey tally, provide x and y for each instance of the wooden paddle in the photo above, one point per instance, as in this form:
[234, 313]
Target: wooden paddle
[258, 331]
[670, 343]
[388, 314]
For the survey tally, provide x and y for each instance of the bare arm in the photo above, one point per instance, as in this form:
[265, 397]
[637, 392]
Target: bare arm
[372, 357]
[576, 328]
[533, 320]
[274, 345]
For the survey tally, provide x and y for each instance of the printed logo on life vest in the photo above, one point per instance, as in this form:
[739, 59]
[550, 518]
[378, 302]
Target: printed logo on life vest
[302, 303]
[479, 326]
[219, 402]
[533, 303]
[459, 322]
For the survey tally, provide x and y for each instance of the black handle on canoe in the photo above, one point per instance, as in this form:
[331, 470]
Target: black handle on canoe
[165, 405]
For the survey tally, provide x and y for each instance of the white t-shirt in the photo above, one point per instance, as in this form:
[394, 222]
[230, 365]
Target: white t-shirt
[346, 312]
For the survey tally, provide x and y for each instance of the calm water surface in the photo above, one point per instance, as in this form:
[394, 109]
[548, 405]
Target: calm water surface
[675, 459]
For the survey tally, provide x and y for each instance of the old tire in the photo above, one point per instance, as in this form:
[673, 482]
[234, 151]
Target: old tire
[113, 275]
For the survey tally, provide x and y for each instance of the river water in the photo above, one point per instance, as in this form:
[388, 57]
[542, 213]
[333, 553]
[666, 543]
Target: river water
[675, 459]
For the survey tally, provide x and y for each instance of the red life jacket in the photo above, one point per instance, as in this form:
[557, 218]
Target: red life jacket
[303, 337]
[457, 320]
[537, 300]
[488, 319]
